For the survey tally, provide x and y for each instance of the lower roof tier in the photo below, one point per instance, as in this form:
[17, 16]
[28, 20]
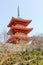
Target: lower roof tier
[14, 30]
[19, 40]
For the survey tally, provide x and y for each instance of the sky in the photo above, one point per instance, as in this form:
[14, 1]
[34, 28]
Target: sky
[29, 10]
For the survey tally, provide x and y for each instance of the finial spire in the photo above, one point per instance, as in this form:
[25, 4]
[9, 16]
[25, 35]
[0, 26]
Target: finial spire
[18, 12]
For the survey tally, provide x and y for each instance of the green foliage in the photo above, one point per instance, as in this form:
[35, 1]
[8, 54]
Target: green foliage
[35, 57]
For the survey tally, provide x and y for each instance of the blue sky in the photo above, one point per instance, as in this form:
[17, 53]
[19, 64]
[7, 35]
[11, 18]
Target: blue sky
[29, 9]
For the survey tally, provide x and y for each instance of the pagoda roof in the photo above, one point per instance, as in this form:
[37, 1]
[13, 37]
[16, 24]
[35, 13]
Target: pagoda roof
[15, 38]
[14, 29]
[15, 21]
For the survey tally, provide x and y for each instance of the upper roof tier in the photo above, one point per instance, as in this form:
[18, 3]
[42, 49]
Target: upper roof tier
[15, 21]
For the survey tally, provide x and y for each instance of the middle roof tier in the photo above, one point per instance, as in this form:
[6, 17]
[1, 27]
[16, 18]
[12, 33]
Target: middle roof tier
[14, 30]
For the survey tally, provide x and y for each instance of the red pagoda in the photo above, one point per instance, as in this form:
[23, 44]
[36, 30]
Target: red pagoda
[18, 30]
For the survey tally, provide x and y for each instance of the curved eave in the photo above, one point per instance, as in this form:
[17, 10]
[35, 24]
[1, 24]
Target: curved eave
[19, 21]
[13, 30]
[15, 38]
